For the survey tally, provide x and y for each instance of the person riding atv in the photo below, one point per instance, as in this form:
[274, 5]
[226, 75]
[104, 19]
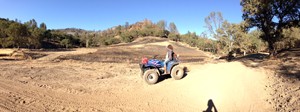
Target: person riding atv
[169, 57]
[153, 68]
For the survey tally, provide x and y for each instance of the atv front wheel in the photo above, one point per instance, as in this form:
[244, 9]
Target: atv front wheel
[177, 72]
[151, 76]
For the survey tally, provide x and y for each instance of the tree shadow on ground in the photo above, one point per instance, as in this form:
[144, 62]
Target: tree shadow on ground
[290, 63]
[290, 70]
[253, 57]
[36, 55]
[52, 50]
[286, 63]
[252, 60]
[24, 56]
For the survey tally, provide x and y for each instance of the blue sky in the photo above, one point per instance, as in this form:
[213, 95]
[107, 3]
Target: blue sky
[188, 15]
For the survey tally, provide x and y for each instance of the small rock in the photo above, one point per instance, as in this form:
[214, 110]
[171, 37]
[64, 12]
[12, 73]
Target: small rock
[292, 100]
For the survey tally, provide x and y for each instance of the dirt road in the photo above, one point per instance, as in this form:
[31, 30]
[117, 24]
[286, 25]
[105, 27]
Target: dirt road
[73, 85]
[231, 86]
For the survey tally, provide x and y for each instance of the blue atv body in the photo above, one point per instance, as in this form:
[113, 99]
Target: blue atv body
[154, 68]
[154, 63]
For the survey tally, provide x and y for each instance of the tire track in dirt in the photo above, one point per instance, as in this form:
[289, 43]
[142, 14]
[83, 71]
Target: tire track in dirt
[231, 86]
[24, 98]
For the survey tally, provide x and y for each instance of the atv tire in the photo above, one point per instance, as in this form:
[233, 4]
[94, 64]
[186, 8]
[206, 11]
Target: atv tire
[141, 74]
[151, 76]
[177, 72]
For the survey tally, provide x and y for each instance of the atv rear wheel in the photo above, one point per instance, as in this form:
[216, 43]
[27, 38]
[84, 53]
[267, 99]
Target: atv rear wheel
[177, 72]
[151, 76]
[141, 74]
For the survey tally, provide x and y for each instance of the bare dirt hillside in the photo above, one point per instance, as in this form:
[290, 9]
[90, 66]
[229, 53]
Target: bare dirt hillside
[106, 79]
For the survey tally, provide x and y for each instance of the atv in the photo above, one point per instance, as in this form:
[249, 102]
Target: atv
[152, 69]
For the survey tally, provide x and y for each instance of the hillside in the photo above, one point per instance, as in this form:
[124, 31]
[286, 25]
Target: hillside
[142, 47]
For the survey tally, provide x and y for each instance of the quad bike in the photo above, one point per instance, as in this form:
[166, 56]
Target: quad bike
[152, 69]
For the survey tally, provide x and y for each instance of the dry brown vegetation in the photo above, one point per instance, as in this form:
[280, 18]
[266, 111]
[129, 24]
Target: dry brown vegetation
[135, 51]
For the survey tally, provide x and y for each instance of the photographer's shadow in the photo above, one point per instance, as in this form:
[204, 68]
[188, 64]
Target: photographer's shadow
[211, 106]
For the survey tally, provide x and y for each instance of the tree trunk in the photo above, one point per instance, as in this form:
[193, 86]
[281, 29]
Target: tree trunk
[87, 43]
[230, 46]
[271, 49]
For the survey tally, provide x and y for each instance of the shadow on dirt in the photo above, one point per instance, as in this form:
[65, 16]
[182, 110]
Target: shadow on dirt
[252, 60]
[52, 50]
[36, 55]
[286, 62]
[290, 63]
[211, 106]
[290, 71]
[164, 77]
[24, 56]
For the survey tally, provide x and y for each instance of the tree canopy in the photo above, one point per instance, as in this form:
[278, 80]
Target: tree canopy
[214, 22]
[173, 28]
[271, 17]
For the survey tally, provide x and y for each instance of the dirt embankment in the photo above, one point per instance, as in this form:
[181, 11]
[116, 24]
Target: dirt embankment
[285, 83]
[106, 79]
[283, 77]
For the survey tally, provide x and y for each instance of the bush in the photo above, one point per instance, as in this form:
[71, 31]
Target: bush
[129, 36]
[109, 41]
[290, 39]
[174, 37]
[66, 43]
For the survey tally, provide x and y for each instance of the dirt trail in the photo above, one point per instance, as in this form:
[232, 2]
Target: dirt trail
[236, 89]
[231, 86]
[74, 85]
